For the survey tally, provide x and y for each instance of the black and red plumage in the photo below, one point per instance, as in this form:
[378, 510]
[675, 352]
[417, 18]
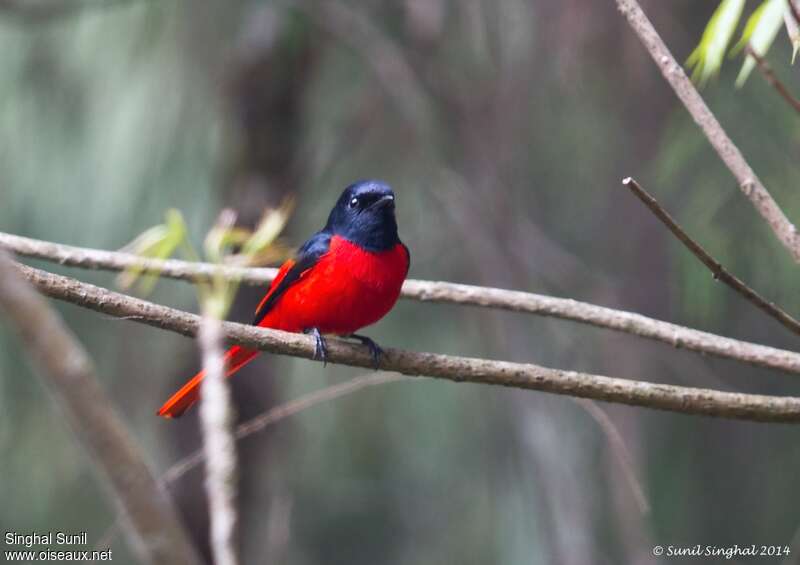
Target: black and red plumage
[345, 277]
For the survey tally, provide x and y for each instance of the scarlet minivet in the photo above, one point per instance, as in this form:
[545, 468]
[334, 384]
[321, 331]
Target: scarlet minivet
[345, 277]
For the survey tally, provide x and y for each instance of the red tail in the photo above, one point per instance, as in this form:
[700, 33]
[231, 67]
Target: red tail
[235, 358]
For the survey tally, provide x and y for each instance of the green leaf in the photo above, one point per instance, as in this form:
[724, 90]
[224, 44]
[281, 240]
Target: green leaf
[793, 30]
[158, 242]
[760, 33]
[269, 228]
[706, 59]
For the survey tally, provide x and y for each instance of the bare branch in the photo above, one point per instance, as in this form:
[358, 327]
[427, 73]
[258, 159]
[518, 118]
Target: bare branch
[452, 293]
[719, 272]
[772, 79]
[749, 183]
[685, 400]
[152, 526]
[219, 445]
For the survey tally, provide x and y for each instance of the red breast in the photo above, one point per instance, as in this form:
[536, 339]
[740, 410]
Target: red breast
[348, 289]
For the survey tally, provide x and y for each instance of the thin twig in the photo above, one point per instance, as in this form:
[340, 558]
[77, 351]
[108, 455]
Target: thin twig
[684, 400]
[219, 445]
[749, 183]
[620, 450]
[327, 394]
[151, 523]
[278, 413]
[772, 79]
[445, 292]
[719, 272]
[262, 422]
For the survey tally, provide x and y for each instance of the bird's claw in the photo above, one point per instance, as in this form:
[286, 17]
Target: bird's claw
[320, 346]
[374, 349]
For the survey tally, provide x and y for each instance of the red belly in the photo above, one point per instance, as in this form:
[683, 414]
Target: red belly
[348, 289]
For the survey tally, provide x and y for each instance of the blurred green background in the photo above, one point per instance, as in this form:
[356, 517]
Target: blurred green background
[504, 128]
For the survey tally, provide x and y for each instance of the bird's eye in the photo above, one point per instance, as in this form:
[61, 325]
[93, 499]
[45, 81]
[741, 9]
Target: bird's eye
[353, 202]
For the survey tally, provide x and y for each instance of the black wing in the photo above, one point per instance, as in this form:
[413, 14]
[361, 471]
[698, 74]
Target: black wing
[307, 257]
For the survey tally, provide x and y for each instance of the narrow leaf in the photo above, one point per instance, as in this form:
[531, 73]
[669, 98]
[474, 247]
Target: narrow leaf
[793, 30]
[760, 33]
[706, 59]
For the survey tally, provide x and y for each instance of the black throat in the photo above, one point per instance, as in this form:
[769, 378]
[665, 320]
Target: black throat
[364, 215]
[373, 232]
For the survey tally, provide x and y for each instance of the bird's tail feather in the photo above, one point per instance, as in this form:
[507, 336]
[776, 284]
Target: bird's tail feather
[235, 358]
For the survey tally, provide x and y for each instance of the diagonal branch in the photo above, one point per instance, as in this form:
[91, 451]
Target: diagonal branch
[719, 272]
[153, 528]
[435, 291]
[620, 450]
[749, 183]
[685, 400]
[772, 79]
[272, 416]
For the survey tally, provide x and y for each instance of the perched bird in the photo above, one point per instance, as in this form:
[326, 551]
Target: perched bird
[345, 277]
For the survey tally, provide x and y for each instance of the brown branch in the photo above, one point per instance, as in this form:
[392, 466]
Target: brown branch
[153, 529]
[719, 272]
[749, 183]
[120, 261]
[685, 400]
[451, 293]
[772, 79]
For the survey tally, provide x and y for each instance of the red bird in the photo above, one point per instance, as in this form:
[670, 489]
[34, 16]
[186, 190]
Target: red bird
[346, 277]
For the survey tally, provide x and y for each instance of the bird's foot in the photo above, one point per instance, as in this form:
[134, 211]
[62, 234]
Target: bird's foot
[320, 346]
[374, 349]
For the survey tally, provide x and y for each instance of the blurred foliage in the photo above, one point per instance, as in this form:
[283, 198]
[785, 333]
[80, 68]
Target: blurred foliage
[706, 59]
[225, 243]
[759, 33]
[505, 128]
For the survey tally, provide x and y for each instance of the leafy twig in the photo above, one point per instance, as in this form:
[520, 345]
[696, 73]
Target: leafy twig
[749, 183]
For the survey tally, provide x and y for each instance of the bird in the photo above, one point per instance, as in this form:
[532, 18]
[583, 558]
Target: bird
[343, 278]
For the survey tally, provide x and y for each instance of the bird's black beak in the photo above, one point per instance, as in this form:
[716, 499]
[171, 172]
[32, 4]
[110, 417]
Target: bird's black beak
[384, 201]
